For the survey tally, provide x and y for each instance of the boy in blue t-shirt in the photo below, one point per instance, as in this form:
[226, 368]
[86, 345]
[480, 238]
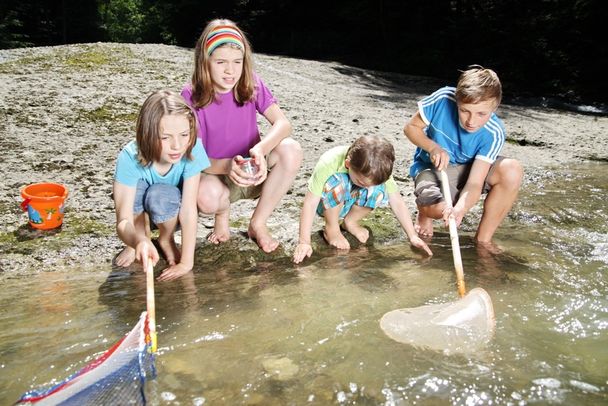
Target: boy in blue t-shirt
[457, 130]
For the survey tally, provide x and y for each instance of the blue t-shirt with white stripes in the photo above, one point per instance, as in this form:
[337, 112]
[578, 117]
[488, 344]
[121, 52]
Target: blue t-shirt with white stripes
[440, 113]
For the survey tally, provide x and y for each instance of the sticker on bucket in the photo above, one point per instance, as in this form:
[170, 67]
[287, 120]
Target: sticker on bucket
[44, 203]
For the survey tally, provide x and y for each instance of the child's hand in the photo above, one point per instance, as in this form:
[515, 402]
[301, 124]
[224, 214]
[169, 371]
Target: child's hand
[173, 272]
[260, 161]
[439, 157]
[302, 251]
[419, 243]
[238, 175]
[146, 246]
[456, 212]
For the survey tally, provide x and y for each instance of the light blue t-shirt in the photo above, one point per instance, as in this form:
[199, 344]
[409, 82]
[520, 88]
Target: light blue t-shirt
[129, 170]
[440, 113]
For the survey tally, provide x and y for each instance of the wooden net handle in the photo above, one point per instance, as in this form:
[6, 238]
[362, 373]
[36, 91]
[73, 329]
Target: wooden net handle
[150, 305]
[445, 186]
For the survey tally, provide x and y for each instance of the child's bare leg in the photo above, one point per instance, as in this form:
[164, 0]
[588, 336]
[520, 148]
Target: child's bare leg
[127, 256]
[221, 228]
[424, 220]
[505, 180]
[351, 223]
[166, 241]
[285, 161]
[214, 198]
[331, 232]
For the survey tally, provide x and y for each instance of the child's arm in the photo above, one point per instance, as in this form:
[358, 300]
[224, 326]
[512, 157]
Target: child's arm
[188, 220]
[402, 213]
[281, 129]
[414, 131]
[309, 207]
[470, 194]
[124, 197]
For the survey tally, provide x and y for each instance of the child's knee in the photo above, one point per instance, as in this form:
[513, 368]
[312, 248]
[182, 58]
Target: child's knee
[293, 148]
[427, 194]
[290, 152]
[162, 202]
[211, 195]
[511, 173]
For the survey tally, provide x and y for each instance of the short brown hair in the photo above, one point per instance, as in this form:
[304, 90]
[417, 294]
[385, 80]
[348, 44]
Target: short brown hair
[478, 84]
[372, 157]
[147, 132]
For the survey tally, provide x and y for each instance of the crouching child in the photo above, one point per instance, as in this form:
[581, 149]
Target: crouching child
[348, 182]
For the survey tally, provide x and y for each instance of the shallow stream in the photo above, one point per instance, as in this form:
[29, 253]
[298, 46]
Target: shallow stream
[275, 334]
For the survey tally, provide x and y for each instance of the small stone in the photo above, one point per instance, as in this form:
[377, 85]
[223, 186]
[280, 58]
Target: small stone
[282, 369]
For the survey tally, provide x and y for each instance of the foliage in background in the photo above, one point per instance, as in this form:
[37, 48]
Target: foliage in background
[123, 20]
[48, 22]
[538, 47]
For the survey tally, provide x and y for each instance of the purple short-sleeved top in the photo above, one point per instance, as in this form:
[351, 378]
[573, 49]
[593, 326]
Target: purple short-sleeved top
[227, 129]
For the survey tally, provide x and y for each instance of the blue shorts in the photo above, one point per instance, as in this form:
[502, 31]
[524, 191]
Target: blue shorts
[161, 202]
[339, 189]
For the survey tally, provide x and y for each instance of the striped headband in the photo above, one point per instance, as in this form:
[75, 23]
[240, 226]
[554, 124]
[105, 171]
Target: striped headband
[223, 34]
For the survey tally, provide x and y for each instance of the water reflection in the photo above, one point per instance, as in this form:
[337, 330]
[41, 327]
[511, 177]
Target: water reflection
[258, 330]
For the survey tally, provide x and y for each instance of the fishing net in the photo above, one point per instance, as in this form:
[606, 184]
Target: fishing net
[463, 326]
[117, 377]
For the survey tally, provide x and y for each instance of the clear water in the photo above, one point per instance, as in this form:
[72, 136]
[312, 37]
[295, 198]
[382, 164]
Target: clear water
[274, 334]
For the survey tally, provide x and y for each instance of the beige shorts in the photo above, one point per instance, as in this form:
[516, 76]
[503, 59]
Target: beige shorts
[427, 185]
[239, 192]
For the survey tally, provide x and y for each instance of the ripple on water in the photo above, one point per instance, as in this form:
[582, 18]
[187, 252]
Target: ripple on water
[600, 246]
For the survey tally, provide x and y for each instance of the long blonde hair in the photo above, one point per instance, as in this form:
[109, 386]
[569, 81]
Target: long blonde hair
[203, 92]
[147, 136]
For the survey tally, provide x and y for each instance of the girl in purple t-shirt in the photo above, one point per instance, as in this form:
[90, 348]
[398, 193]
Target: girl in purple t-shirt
[226, 96]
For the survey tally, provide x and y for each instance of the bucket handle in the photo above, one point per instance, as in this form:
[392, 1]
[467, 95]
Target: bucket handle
[25, 203]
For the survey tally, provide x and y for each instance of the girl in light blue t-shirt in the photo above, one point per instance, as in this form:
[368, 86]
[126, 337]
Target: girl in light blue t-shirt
[158, 174]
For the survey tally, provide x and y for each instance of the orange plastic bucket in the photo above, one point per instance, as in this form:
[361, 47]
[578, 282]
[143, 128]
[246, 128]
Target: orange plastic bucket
[44, 203]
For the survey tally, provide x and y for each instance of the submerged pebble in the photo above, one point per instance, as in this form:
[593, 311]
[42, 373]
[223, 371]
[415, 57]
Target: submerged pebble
[282, 369]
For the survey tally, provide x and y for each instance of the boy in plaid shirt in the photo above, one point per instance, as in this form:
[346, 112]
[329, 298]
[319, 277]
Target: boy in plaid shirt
[347, 184]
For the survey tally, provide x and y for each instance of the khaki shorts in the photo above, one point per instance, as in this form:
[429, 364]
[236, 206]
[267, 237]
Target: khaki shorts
[238, 192]
[427, 185]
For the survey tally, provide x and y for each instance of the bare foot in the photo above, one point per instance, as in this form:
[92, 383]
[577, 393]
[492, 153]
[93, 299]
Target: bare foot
[221, 229]
[360, 233]
[486, 249]
[172, 254]
[126, 257]
[336, 239]
[424, 226]
[263, 238]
